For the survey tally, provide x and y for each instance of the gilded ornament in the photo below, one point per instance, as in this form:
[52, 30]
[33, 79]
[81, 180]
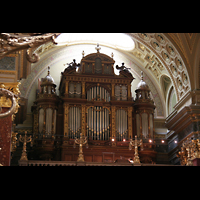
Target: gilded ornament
[25, 140]
[18, 41]
[82, 141]
[136, 143]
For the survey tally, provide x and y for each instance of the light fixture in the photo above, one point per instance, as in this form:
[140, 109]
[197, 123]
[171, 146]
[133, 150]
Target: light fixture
[175, 141]
[162, 141]
[113, 139]
[150, 140]
[124, 140]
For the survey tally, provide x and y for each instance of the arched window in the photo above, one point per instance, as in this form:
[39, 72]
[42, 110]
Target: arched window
[98, 66]
[171, 100]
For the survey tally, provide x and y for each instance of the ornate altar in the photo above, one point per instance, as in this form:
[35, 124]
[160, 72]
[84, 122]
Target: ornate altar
[96, 102]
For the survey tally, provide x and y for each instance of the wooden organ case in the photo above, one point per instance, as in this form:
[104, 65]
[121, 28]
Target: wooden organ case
[96, 102]
[92, 95]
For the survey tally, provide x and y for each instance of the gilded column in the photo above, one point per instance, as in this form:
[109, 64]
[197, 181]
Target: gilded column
[130, 128]
[66, 88]
[113, 91]
[83, 120]
[66, 120]
[83, 90]
[129, 92]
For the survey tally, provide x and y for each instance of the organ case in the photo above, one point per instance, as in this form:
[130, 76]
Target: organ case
[97, 102]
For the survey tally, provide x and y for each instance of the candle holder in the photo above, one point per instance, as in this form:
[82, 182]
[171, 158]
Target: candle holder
[135, 143]
[24, 139]
[81, 142]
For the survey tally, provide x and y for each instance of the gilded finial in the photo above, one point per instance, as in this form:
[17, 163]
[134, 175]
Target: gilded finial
[2, 85]
[48, 70]
[141, 75]
[112, 54]
[98, 48]
[83, 53]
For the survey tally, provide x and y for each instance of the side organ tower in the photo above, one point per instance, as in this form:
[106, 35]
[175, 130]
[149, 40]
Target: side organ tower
[45, 117]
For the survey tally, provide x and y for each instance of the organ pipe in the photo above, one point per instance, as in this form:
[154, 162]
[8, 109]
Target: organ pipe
[121, 124]
[74, 122]
[98, 122]
[97, 91]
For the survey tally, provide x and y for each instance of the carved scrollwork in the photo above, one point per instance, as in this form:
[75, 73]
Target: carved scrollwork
[33, 58]
[17, 41]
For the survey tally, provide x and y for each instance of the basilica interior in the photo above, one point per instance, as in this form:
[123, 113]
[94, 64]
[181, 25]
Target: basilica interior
[100, 99]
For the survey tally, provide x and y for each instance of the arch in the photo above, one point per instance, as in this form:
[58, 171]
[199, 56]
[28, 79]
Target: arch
[165, 56]
[165, 82]
[171, 100]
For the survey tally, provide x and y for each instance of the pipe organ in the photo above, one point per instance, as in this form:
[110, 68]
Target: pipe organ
[94, 101]
[94, 84]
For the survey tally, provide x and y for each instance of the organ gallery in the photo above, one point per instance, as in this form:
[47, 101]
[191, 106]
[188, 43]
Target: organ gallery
[96, 102]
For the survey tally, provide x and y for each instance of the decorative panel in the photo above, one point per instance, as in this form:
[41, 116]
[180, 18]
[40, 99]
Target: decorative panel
[107, 69]
[121, 92]
[117, 92]
[124, 93]
[98, 66]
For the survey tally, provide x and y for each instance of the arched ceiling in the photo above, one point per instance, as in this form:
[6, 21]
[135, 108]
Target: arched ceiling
[169, 61]
[154, 53]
